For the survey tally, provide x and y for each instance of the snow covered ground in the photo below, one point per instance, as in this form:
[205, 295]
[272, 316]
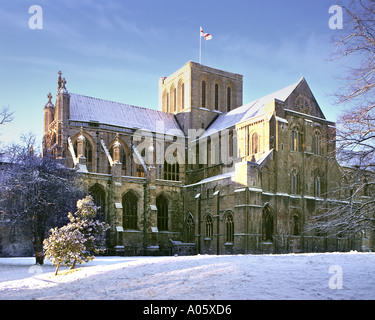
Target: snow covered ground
[202, 277]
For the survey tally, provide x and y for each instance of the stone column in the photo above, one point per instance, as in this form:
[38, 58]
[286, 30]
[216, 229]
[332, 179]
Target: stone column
[116, 187]
[198, 217]
[216, 212]
[151, 212]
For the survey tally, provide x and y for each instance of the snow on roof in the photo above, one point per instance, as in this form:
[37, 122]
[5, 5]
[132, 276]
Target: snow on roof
[86, 109]
[214, 178]
[264, 157]
[248, 111]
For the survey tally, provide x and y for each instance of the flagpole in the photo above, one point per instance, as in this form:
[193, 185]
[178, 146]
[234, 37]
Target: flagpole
[206, 36]
[200, 47]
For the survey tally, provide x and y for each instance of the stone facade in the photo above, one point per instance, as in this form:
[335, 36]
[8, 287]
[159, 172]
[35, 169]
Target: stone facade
[196, 94]
[205, 171]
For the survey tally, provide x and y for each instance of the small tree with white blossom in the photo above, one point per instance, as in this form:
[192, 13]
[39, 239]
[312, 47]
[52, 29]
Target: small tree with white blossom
[75, 242]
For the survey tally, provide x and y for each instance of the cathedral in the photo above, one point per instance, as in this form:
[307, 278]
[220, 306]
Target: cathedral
[205, 173]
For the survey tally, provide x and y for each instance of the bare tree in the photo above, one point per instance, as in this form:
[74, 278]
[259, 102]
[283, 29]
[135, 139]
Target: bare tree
[6, 115]
[353, 209]
[356, 138]
[355, 43]
[349, 210]
[27, 146]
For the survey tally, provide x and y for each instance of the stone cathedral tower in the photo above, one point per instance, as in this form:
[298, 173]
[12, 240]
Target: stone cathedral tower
[197, 94]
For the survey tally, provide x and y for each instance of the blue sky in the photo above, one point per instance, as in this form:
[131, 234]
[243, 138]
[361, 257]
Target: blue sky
[117, 50]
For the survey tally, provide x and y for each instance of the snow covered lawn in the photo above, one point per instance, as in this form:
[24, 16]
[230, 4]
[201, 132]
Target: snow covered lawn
[202, 277]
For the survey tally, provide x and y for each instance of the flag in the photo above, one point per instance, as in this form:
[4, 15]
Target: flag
[206, 36]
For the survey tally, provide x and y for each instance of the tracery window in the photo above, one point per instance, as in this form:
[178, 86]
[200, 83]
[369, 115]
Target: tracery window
[317, 141]
[162, 207]
[99, 199]
[295, 141]
[130, 211]
[171, 171]
[294, 182]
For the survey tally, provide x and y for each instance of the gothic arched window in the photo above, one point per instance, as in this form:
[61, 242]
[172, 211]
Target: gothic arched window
[174, 100]
[130, 211]
[267, 224]
[295, 139]
[181, 95]
[162, 207]
[317, 141]
[171, 171]
[208, 227]
[189, 227]
[317, 187]
[204, 94]
[254, 143]
[216, 97]
[229, 99]
[229, 228]
[99, 199]
[294, 182]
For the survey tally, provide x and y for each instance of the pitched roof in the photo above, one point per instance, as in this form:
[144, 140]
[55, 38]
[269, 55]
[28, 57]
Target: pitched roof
[249, 110]
[83, 108]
